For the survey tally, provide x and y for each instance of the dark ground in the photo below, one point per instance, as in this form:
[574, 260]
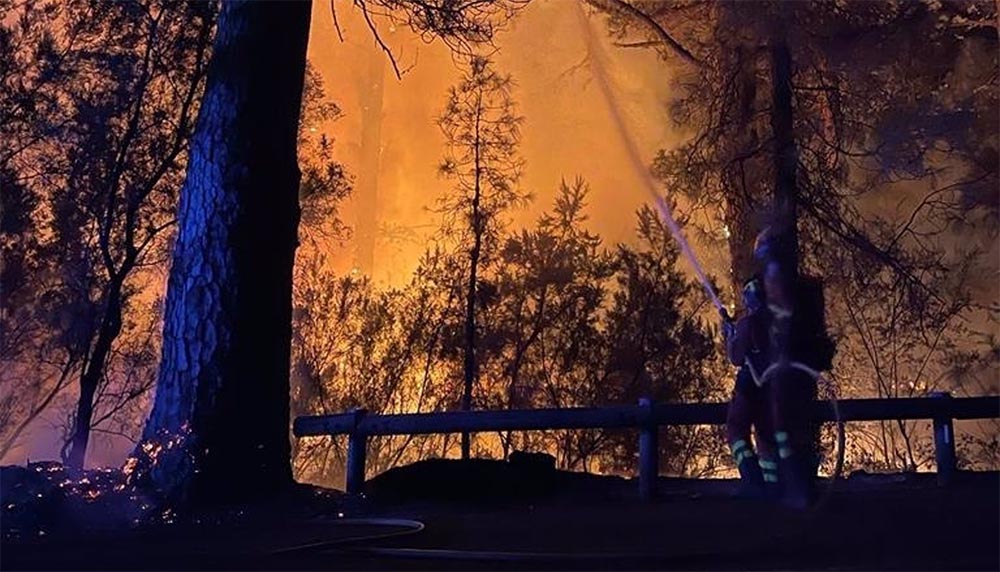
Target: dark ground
[887, 522]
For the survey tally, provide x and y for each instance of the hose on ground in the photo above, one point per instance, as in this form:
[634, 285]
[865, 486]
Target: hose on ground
[408, 527]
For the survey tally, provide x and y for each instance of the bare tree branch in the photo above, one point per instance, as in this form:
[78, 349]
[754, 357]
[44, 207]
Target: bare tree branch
[630, 11]
[336, 23]
[378, 38]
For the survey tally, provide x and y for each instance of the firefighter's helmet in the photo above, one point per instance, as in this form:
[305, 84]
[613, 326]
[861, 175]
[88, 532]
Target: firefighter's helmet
[753, 294]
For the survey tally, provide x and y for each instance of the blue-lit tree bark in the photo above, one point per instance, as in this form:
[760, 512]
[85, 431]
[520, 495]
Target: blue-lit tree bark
[219, 425]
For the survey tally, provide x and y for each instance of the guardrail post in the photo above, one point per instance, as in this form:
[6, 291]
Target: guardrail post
[648, 451]
[944, 442]
[357, 448]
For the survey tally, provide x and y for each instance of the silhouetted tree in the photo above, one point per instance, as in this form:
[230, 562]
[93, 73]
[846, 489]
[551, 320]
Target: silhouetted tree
[103, 166]
[359, 346]
[325, 184]
[322, 189]
[127, 156]
[657, 344]
[480, 124]
[544, 321]
[566, 322]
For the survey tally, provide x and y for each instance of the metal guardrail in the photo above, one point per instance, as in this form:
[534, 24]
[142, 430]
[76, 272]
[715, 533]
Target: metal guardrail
[646, 416]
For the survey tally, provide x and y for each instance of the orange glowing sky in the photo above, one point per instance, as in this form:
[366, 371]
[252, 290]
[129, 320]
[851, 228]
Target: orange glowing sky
[568, 130]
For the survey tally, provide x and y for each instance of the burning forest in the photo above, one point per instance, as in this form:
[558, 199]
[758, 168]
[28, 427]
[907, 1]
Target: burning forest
[303, 270]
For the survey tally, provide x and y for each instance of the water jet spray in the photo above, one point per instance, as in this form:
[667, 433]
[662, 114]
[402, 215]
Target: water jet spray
[632, 150]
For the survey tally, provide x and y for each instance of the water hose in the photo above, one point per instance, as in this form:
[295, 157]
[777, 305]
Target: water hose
[407, 527]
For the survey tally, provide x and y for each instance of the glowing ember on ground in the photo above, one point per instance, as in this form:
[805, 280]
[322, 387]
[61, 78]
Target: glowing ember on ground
[130, 464]
[98, 499]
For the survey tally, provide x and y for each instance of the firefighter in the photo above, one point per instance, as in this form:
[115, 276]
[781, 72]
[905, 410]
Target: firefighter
[749, 408]
[796, 333]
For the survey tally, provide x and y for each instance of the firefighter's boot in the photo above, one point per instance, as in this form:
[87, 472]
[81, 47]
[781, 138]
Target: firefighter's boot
[751, 477]
[769, 472]
[796, 483]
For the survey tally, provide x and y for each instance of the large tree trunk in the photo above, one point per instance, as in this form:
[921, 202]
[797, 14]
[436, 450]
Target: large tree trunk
[785, 154]
[219, 429]
[743, 173]
[807, 300]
